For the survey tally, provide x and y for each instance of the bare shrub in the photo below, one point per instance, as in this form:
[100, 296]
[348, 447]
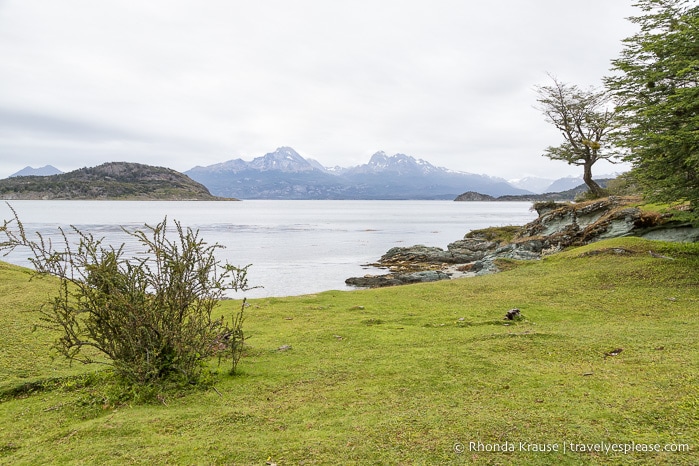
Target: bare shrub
[150, 316]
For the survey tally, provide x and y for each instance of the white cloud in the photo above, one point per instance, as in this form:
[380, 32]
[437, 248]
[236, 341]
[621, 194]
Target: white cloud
[183, 83]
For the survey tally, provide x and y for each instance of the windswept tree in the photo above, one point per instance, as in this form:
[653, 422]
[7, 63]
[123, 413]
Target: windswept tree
[585, 118]
[657, 82]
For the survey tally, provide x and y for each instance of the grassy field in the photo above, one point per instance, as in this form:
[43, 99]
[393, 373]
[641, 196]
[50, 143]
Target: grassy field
[605, 357]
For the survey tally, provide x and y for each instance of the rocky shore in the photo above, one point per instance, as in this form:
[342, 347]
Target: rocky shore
[558, 226]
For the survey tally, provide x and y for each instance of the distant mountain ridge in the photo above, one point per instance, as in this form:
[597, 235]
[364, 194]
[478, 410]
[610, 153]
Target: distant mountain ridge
[283, 159]
[565, 184]
[46, 170]
[115, 180]
[284, 174]
[532, 183]
[399, 164]
[567, 195]
[545, 185]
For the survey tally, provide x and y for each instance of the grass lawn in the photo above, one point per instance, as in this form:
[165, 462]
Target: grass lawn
[605, 357]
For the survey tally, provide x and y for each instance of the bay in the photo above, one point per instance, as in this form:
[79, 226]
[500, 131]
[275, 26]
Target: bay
[295, 247]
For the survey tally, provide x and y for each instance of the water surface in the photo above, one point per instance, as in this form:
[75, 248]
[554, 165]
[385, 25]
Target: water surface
[295, 247]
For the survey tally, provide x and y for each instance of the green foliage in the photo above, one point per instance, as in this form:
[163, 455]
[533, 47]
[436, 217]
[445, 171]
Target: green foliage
[591, 196]
[400, 375]
[658, 87]
[625, 184]
[149, 316]
[585, 120]
[675, 212]
[232, 343]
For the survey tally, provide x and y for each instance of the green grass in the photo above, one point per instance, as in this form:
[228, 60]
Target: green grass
[397, 375]
[676, 212]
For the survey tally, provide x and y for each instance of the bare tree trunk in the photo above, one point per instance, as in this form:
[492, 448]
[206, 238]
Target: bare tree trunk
[595, 189]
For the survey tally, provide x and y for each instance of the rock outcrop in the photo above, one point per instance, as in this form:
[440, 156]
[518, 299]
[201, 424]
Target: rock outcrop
[559, 226]
[564, 225]
[374, 281]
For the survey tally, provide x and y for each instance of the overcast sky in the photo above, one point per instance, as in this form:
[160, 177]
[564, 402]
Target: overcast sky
[179, 83]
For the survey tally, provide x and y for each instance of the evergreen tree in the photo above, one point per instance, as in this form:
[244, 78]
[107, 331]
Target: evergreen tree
[657, 85]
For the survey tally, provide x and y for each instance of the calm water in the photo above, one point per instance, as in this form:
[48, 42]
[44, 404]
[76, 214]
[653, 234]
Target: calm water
[296, 247]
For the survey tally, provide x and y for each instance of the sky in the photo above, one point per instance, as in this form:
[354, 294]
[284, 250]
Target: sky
[181, 83]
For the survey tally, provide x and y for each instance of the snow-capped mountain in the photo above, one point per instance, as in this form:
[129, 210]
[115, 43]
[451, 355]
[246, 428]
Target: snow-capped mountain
[399, 164]
[284, 159]
[404, 177]
[284, 174]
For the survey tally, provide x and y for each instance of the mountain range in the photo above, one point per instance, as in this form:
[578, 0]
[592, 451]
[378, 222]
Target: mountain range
[284, 174]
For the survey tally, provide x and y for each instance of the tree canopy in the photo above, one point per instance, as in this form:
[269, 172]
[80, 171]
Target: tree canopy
[656, 81]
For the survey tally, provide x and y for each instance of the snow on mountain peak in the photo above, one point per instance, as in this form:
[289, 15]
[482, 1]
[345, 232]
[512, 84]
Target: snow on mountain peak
[398, 176]
[283, 159]
[399, 163]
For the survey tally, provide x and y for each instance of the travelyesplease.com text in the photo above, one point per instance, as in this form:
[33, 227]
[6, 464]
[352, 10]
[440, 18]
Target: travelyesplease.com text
[564, 447]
